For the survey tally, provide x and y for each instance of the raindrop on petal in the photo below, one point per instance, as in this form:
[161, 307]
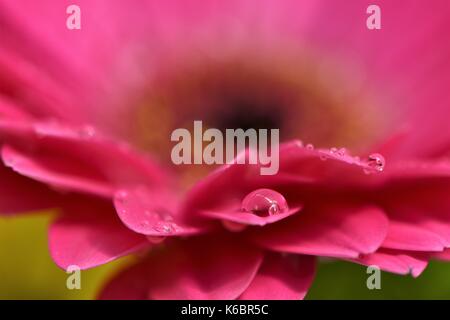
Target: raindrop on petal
[265, 202]
[375, 162]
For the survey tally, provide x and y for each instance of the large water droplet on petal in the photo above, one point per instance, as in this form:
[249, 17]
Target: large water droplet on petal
[265, 202]
[375, 162]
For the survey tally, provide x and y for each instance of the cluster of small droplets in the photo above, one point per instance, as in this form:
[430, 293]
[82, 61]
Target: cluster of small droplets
[375, 163]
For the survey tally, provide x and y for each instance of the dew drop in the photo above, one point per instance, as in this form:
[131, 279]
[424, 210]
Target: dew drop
[165, 227]
[309, 146]
[375, 162]
[265, 202]
[342, 151]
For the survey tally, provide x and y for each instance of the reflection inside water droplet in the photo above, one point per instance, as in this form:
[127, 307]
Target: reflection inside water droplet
[265, 202]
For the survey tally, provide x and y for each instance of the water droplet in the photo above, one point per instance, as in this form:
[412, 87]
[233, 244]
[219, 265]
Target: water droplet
[333, 150]
[375, 162]
[165, 227]
[309, 146]
[233, 226]
[145, 223]
[265, 202]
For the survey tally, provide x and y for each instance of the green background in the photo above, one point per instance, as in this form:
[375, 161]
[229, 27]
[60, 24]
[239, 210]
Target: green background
[27, 272]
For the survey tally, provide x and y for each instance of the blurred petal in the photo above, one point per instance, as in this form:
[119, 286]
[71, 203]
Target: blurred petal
[20, 194]
[89, 234]
[334, 231]
[299, 167]
[153, 212]
[206, 268]
[418, 207]
[281, 278]
[75, 159]
[247, 218]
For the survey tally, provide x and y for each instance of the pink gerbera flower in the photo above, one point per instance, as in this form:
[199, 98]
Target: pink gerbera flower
[89, 114]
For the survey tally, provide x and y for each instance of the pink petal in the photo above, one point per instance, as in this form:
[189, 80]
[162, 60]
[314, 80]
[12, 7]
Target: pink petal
[246, 218]
[130, 284]
[396, 261]
[89, 234]
[282, 278]
[50, 169]
[407, 236]
[443, 255]
[20, 194]
[200, 268]
[419, 212]
[77, 159]
[334, 230]
[300, 167]
[153, 212]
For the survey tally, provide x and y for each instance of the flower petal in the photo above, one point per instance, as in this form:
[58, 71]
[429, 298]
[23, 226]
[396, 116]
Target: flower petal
[299, 167]
[153, 212]
[77, 159]
[332, 230]
[282, 278]
[396, 261]
[247, 218]
[89, 234]
[406, 236]
[20, 194]
[206, 268]
[419, 213]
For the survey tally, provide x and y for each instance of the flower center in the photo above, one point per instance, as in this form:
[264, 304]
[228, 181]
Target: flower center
[251, 91]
